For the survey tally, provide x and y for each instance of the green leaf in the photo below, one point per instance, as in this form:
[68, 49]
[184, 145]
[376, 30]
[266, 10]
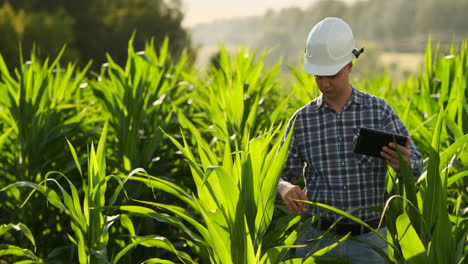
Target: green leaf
[157, 261]
[75, 157]
[4, 136]
[10, 250]
[448, 153]
[325, 250]
[456, 177]
[21, 228]
[49, 193]
[150, 213]
[154, 241]
[164, 185]
[344, 214]
[412, 248]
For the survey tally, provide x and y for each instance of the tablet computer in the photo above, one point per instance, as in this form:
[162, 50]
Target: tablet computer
[370, 141]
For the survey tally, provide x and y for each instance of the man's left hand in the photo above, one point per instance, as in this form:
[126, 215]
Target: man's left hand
[391, 155]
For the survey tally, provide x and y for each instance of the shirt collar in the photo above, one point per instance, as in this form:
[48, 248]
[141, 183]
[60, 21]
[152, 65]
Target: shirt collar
[356, 97]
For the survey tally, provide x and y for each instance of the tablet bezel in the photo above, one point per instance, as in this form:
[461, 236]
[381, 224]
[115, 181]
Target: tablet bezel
[370, 141]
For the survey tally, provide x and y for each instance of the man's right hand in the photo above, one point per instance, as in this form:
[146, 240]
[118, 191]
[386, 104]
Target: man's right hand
[290, 192]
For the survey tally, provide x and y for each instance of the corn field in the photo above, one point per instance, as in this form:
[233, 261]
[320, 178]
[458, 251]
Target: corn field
[156, 162]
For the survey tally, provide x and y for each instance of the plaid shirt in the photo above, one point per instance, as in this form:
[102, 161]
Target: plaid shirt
[322, 149]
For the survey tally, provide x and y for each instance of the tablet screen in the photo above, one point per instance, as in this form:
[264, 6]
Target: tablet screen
[370, 141]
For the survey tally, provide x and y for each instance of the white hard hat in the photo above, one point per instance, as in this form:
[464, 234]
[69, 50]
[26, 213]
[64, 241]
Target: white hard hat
[329, 47]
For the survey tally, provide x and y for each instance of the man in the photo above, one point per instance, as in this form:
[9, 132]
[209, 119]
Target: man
[321, 148]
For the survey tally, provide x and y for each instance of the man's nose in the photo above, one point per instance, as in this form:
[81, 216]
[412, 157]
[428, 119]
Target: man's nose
[326, 82]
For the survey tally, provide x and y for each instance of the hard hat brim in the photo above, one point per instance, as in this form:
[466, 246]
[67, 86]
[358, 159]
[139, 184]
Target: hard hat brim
[322, 70]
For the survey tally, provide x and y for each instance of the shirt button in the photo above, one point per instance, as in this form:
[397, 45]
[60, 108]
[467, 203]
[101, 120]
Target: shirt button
[342, 163]
[345, 188]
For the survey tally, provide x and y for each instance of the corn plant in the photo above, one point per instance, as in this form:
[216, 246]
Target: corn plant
[87, 221]
[40, 102]
[434, 216]
[228, 217]
[431, 230]
[432, 227]
[90, 225]
[139, 100]
[40, 105]
[235, 98]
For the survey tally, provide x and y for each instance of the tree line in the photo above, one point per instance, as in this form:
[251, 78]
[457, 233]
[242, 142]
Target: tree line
[89, 28]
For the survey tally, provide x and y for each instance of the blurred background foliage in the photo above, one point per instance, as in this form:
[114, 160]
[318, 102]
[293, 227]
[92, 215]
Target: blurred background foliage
[90, 29]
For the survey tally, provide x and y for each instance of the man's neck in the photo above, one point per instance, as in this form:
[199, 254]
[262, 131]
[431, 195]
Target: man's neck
[339, 102]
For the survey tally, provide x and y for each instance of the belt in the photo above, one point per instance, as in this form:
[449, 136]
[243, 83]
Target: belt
[344, 228]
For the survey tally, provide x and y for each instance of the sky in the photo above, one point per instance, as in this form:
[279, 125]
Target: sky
[201, 11]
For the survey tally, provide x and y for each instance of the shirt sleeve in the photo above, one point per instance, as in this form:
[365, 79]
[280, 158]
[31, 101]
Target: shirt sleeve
[294, 164]
[394, 124]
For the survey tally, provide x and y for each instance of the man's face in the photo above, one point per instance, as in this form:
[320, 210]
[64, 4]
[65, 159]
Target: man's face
[334, 86]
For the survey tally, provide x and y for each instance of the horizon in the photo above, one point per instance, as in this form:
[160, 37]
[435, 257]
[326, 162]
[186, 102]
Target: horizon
[206, 11]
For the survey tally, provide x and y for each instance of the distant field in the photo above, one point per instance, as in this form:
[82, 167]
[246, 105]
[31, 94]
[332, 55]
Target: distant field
[397, 61]
[205, 53]
[411, 62]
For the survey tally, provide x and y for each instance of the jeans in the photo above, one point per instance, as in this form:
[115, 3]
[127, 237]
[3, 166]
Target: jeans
[353, 251]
